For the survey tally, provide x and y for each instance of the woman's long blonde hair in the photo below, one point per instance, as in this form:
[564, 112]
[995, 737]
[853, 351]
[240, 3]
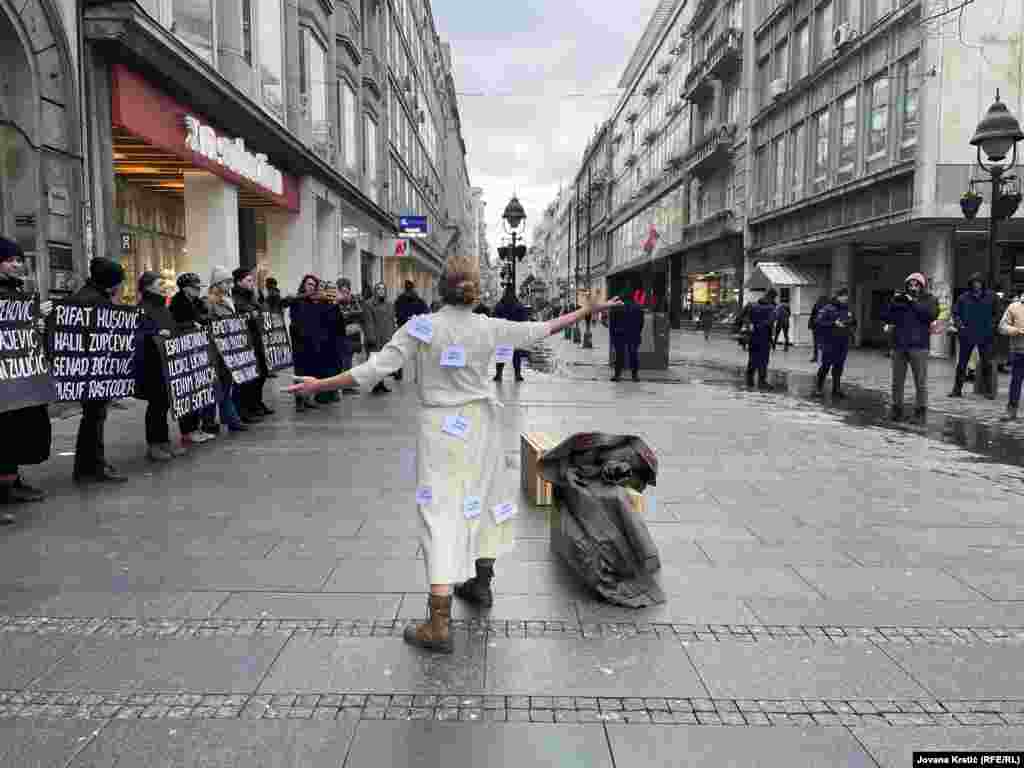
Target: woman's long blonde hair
[460, 281]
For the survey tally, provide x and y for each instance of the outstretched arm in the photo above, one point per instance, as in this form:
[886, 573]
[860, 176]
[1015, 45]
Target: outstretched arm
[571, 318]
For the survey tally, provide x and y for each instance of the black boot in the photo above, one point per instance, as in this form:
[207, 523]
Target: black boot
[837, 393]
[499, 368]
[989, 380]
[750, 377]
[896, 414]
[478, 589]
[920, 415]
[1011, 413]
[762, 381]
[958, 386]
[819, 384]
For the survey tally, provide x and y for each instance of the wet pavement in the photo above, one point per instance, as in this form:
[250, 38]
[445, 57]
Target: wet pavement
[840, 592]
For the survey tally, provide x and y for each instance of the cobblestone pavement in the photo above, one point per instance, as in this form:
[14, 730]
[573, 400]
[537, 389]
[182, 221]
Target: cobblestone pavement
[858, 584]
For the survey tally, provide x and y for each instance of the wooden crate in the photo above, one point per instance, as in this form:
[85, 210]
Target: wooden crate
[532, 446]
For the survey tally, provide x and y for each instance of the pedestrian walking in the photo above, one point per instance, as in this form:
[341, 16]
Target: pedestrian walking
[1012, 326]
[27, 434]
[407, 306]
[812, 325]
[974, 319]
[910, 315]
[510, 308]
[625, 327]
[379, 326]
[219, 307]
[707, 321]
[188, 312]
[103, 288]
[460, 445]
[156, 322]
[760, 318]
[782, 315]
[835, 326]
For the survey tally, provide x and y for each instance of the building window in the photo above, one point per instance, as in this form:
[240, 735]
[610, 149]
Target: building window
[823, 23]
[370, 156]
[269, 50]
[909, 117]
[247, 31]
[780, 69]
[192, 22]
[802, 52]
[347, 105]
[821, 151]
[313, 87]
[878, 125]
[779, 161]
[797, 154]
[847, 137]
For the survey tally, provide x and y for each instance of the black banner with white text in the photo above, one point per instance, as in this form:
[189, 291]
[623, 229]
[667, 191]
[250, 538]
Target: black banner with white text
[24, 371]
[91, 350]
[188, 372]
[277, 345]
[234, 345]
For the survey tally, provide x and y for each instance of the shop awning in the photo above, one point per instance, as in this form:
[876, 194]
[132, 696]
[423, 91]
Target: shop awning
[776, 274]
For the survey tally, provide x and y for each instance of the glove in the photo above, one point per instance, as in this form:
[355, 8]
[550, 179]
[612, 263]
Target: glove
[45, 308]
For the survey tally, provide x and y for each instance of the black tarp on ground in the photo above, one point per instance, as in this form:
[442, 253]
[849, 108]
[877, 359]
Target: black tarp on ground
[597, 532]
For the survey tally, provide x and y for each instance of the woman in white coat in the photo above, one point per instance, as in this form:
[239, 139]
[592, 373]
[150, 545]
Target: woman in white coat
[459, 448]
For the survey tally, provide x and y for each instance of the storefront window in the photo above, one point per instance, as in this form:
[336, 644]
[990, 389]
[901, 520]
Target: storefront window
[193, 22]
[370, 145]
[271, 59]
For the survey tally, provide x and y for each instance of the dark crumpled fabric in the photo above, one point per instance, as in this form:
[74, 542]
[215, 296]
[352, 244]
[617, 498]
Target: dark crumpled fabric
[598, 534]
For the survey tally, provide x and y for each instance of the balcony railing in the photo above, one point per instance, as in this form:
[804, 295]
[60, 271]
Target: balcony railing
[713, 151]
[373, 73]
[725, 56]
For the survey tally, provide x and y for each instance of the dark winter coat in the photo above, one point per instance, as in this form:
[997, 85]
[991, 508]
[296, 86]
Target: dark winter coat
[512, 310]
[31, 425]
[378, 322]
[825, 324]
[975, 315]
[188, 312]
[313, 327]
[246, 301]
[911, 321]
[156, 317]
[761, 317]
[818, 306]
[626, 324]
[92, 295]
[408, 305]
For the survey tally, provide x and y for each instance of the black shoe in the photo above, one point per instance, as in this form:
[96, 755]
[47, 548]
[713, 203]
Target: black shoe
[239, 427]
[957, 392]
[616, 377]
[497, 379]
[920, 415]
[838, 394]
[380, 389]
[264, 410]
[818, 393]
[636, 377]
[896, 414]
[248, 418]
[23, 492]
[477, 590]
[300, 405]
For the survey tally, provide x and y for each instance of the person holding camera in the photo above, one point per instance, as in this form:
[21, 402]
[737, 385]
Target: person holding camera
[910, 315]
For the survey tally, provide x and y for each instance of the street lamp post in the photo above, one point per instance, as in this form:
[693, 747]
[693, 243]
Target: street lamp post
[996, 135]
[513, 216]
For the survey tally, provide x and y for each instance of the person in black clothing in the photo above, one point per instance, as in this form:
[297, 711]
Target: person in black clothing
[835, 327]
[156, 321]
[509, 308]
[407, 306]
[189, 311]
[101, 289]
[782, 315]
[250, 395]
[26, 431]
[760, 317]
[625, 326]
[812, 325]
[707, 321]
[975, 317]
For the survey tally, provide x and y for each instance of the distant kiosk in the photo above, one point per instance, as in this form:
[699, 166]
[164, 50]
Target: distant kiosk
[412, 226]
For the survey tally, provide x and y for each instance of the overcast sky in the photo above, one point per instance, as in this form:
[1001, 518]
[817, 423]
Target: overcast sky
[538, 52]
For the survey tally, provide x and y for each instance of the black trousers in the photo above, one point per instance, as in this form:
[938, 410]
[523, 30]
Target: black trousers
[157, 431]
[251, 395]
[780, 330]
[517, 364]
[624, 350]
[89, 451]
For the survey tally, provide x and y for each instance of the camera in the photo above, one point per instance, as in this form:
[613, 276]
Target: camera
[901, 297]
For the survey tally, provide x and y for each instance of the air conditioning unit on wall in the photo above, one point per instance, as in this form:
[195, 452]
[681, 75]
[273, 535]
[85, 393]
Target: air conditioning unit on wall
[843, 35]
[777, 87]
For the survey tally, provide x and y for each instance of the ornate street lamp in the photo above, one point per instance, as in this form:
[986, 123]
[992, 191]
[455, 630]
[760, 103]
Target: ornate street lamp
[996, 136]
[512, 218]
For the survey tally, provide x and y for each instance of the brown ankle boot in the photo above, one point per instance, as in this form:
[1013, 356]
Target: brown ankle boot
[434, 633]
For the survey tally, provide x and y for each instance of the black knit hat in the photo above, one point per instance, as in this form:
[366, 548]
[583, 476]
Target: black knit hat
[147, 279]
[106, 273]
[241, 273]
[189, 280]
[10, 250]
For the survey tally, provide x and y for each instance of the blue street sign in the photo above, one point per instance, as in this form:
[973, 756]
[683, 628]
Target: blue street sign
[412, 225]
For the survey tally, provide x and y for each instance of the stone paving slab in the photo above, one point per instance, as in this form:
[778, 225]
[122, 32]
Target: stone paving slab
[310, 606]
[887, 583]
[357, 548]
[218, 744]
[598, 667]
[374, 663]
[995, 583]
[381, 576]
[886, 612]
[965, 672]
[24, 659]
[734, 747]
[131, 664]
[509, 745]
[141, 605]
[793, 669]
[43, 743]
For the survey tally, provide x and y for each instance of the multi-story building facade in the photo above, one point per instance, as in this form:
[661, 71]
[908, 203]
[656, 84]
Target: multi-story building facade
[478, 239]
[862, 112]
[231, 132]
[592, 192]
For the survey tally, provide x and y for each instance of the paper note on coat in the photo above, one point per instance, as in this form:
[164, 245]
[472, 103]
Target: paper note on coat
[424, 496]
[471, 507]
[455, 425]
[503, 353]
[454, 357]
[504, 512]
[422, 328]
